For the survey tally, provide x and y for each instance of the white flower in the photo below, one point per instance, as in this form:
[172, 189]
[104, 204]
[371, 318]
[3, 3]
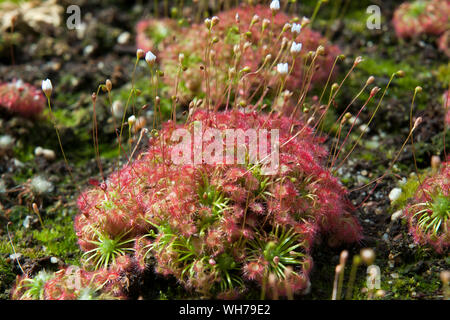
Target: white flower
[150, 57]
[296, 28]
[296, 47]
[283, 68]
[275, 5]
[131, 120]
[47, 87]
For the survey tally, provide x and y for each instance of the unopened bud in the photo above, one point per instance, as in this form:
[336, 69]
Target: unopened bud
[343, 257]
[140, 53]
[208, 23]
[276, 259]
[131, 120]
[418, 90]
[374, 91]
[334, 87]
[417, 122]
[181, 58]
[108, 85]
[286, 27]
[370, 80]
[246, 69]
[400, 73]
[305, 21]
[320, 51]
[256, 19]
[445, 277]
[358, 60]
[367, 256]
[214, 21]
[35, 208]
[435, 162]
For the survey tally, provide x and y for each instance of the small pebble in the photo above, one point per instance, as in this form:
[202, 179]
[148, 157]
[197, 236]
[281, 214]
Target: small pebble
[88, 50]
[15, 256]
[123, 38]
[395, 194]
[6, 142]
[396, 215]
[26, 222]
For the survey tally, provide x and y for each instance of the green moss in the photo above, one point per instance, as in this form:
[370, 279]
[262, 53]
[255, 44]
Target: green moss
[443, 74]
[7, 276]
[59, 239]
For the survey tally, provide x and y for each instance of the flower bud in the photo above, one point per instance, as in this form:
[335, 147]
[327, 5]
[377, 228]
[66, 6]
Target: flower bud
[320, 50]
[374, 91]
[215, 21]
[131, 120]
[208, 23]
[367, 256]
[35, 208]
[358, 60]
[275, 6]
[108, 85]
[400, 73]
[435, 162]
[305, 22]
[370, 80]
[181, 58]
[47, 87]
[140, 53]
[417, 122]
[150, 58]
[256, 19]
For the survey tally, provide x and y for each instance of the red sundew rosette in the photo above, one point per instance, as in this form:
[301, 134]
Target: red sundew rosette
[443, 43]
[173, 199]
[432, 20]
[193, 46]
[22, 98]
[166, 27]
[438, 182]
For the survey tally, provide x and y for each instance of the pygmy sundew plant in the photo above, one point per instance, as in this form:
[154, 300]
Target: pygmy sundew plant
[412, 19]
[446, 104]
[71, 283]
[239, 51]
[217, 227]
[428, 215]
[444, 43]
[153, 34]
[21, 98]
